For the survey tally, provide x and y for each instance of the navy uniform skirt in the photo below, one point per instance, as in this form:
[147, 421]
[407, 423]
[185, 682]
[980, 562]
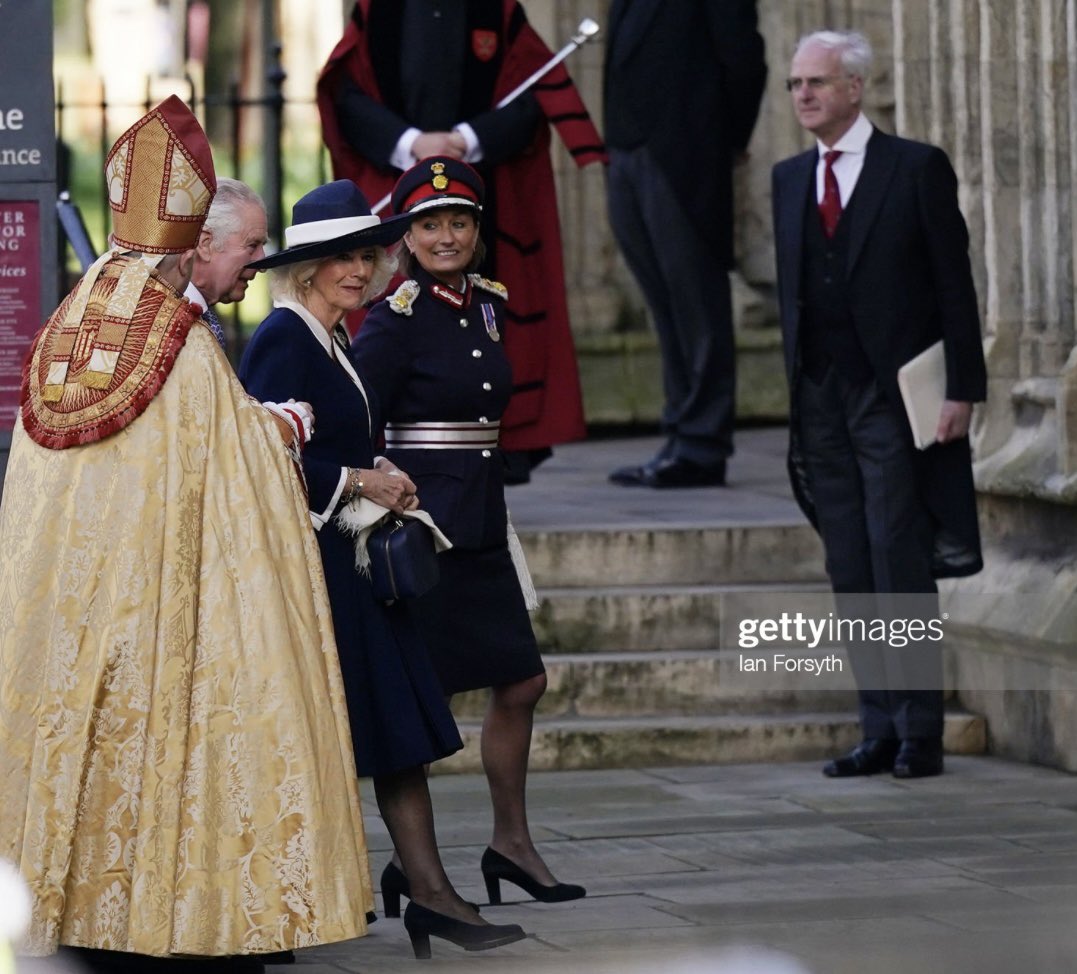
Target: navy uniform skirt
[475, 623]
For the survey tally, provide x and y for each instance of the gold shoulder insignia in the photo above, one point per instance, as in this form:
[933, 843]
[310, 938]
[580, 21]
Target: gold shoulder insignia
[494, 287]
[404, 297]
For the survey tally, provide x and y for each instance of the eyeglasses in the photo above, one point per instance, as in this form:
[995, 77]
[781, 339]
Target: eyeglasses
[814, 84]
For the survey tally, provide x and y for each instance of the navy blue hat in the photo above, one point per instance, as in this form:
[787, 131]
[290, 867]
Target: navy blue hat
[435, 182]
[330, 220]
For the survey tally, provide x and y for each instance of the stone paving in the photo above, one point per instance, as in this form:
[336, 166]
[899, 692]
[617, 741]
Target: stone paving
[766, 869]
[571, 489]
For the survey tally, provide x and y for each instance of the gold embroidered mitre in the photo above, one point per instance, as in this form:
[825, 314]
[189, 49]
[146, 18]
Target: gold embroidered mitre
[160, 181]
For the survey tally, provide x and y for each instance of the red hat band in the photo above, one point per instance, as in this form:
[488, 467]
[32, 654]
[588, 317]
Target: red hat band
[454, 188]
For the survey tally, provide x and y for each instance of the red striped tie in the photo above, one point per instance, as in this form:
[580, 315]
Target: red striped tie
[830, 205]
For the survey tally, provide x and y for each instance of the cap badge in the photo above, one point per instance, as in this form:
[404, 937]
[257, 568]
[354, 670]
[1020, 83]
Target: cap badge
[440, 181]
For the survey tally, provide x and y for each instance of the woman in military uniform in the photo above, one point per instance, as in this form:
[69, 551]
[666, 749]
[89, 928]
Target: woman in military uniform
[433, 352]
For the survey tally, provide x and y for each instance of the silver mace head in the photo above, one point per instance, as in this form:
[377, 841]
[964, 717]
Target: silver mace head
[588, 28]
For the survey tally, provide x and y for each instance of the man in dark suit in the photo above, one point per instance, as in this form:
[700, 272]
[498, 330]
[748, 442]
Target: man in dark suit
[873, 268]
[683, 83]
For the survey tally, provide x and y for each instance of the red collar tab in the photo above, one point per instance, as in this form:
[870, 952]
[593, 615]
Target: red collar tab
[450, 295]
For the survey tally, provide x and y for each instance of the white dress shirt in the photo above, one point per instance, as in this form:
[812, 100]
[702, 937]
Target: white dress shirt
[853, 147]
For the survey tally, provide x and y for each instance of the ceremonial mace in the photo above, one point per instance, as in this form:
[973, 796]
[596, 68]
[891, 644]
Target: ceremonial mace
[588, 28]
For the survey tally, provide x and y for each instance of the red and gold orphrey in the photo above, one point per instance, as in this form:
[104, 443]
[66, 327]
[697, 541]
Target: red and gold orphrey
[66, 401]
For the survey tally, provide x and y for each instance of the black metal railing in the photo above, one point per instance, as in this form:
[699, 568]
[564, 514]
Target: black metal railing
[232, 103]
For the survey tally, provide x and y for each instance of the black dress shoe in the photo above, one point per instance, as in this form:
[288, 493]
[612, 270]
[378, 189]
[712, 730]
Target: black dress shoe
[670, 472]
[684, 473]
[870, 756]
[422, 924]
[495, 867]
[919, 757]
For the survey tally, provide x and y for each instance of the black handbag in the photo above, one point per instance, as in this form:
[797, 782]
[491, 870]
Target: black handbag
[403, 562]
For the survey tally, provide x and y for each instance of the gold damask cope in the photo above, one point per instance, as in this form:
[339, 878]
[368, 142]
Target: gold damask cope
[174, 748]
[160, 181]
[103, 355]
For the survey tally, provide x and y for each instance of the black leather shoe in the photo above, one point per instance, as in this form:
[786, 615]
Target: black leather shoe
[870, 756]
[495, 867]
[919, 757]
[670, 472]
[422, 924]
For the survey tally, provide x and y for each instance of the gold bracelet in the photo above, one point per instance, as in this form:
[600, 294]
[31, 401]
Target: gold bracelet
[355, 483]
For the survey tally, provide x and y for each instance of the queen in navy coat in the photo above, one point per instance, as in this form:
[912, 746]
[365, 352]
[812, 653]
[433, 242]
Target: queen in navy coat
[433, 352]
[399, 718]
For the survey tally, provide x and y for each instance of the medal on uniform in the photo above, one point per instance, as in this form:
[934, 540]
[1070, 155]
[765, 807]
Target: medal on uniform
[489, 318]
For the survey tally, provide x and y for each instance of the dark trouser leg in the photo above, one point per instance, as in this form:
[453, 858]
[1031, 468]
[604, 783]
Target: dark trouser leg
[688, 294]
[877, 535]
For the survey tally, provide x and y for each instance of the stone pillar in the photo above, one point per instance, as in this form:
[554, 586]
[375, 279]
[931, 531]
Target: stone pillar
[994, 83]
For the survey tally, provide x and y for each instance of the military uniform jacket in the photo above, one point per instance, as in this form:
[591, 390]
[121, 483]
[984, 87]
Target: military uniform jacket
[432, 354]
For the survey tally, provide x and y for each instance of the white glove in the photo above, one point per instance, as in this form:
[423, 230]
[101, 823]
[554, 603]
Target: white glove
[298, 415]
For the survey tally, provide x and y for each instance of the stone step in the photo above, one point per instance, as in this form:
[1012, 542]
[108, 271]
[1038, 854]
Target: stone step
[574, 743]
[631, 617]
[680, 683]
[675, 554]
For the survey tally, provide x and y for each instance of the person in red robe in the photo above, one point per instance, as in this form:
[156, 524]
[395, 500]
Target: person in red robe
[394, 90]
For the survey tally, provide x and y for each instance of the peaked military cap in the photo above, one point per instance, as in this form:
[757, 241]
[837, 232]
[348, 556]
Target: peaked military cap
[435, 182]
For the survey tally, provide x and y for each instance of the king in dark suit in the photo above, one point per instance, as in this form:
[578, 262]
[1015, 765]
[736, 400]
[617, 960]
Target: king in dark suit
[873, 268]
[683, 83]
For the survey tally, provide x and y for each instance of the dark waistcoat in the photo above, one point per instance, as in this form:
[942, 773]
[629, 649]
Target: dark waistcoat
[827, 333]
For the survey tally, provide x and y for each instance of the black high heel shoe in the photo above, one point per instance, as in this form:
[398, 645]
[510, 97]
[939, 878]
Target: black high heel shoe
[394, 884]
[495, 867]
[422, 924]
